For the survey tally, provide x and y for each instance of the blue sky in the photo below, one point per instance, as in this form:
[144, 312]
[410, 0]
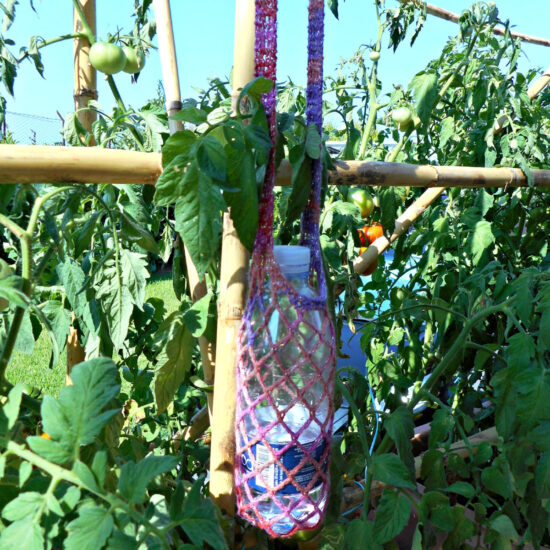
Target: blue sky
[204, 42]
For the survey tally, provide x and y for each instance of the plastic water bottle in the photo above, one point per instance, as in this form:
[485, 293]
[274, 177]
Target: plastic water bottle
[294, 262]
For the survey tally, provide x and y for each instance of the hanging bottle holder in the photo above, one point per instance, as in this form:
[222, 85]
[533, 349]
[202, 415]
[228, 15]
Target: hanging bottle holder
[282, 483]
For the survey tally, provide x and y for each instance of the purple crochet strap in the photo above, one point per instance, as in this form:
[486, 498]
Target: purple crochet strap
[314, 114]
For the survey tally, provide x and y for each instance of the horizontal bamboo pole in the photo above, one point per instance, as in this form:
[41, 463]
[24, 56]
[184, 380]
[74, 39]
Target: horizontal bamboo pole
[51, 164]
[454, 17]
[47, 164]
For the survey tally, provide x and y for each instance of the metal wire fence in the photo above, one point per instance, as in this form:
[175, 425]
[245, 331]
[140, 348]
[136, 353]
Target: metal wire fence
[28, 129]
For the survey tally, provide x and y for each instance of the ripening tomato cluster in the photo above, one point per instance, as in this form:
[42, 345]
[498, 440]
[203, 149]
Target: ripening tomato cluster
[368, 233]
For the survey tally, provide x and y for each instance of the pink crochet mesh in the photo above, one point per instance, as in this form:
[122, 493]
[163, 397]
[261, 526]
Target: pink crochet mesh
[296, 498]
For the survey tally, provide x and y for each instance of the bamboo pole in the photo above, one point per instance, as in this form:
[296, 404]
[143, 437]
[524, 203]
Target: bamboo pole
[167, 52]
[61, 165]
[233, 286]
[85, 77]
[85, 82]
[454, 17]
[364, 261]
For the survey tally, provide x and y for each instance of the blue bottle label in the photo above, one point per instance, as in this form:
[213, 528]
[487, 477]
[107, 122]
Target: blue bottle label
[271, 476]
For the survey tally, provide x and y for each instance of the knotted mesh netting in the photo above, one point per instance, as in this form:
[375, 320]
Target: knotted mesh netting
[285, 376]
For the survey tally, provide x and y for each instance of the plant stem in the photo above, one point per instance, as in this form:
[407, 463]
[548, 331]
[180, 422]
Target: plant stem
[53, 41]
[17, 230]
[87, 29]
[374, 107]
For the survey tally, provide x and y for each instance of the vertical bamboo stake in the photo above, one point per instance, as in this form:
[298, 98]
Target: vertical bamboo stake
[85, 81]
[233, 282]
[167, 51]
[85, 77]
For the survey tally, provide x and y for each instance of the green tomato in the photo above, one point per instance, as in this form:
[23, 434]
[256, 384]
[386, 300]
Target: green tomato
[107, 58]
[374, 56]
[361, 198]
[401, 115]
[135, 60]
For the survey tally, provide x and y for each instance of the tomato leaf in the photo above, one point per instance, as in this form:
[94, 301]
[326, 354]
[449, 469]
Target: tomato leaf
[134, 478]
[174, 361]
[211, 158]
[197, 214]
[424, 88]
[243, 204]
[91, 529]
[392, 515]
[389, 469]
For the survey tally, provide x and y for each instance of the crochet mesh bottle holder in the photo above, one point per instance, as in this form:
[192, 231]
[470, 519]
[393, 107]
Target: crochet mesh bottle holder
[314, 360]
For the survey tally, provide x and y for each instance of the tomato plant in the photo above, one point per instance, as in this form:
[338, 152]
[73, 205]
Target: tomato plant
[451, 325]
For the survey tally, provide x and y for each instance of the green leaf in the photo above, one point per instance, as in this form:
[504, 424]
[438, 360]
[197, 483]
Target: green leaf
[23, 535]
[115, 296]
[196, 317]
[441, 426]
[392, 515]
[190, 114]
[211, 158]
[389, 469]
[357, 532]
[169, 186]
[542, 476]
[400, 428]
[255, 88]
[447, 131]
[174, 361]
[85, 475]
[461, 488]
[424, 88]
[25, 505]
[78, 415]
[521, 349]
[134, 478]
[301, 184]
[72, 276]
[136, 233]
[313, 141]
[181, 144]
[333, 6]
[481, 238]
[199, 520]
[10, 290]
[134, 275]
[197, 215]
[59, 319]
[503, 524]
[243, 204]
[25, 337]
[91, 529]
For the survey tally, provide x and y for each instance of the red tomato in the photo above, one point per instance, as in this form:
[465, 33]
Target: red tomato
[373, 232]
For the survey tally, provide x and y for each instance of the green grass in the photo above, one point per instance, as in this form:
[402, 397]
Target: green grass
[33, 368]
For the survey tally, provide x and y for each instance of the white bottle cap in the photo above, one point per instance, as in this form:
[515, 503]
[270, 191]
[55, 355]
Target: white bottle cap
[292, 259]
